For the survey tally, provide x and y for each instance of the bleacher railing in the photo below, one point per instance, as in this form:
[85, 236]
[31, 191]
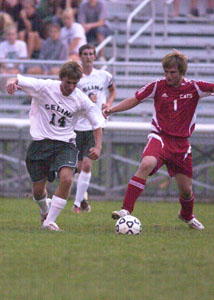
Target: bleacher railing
[122, 141]
[150, 22]
[107, 40]
[166, 15]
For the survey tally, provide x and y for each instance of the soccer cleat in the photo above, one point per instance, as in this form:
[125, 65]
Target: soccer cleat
[119, 214]
[76, 209]
[193, 223]
[52, 226]
[44, 215]
[85, 207]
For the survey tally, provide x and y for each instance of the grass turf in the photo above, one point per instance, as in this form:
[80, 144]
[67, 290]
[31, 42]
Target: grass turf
[88, 261]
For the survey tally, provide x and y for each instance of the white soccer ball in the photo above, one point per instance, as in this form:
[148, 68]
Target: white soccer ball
[128, 225]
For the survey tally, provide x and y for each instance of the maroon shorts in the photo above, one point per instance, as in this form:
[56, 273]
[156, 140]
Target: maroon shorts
[174, 152]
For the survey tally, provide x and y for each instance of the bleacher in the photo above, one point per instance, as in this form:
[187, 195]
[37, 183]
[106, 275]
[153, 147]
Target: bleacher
[192, 36]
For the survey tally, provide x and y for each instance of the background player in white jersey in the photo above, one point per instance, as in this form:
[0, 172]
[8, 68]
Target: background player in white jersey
[55, 108]
[175, 102]
[99, 87]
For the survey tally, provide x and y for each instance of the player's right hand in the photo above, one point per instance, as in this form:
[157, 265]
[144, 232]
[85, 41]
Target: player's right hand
[11, 85]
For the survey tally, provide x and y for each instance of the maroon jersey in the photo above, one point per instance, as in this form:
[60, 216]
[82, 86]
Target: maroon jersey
[175, 107]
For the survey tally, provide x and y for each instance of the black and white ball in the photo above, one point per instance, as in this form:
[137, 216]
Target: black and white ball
[128, 225]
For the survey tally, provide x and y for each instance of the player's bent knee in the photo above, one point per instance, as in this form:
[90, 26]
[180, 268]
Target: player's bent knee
[147, 165]
[66, 180]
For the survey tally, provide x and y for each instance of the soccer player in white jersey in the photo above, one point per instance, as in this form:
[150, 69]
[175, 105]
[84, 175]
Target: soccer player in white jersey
[99, 87]
[175, 102]
[55, 108]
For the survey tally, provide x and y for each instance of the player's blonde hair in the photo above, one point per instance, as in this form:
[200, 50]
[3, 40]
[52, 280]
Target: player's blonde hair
[175, 58]
[71, 69]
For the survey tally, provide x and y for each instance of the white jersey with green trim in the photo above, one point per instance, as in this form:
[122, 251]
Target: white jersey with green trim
[96, 83]
[52, 115]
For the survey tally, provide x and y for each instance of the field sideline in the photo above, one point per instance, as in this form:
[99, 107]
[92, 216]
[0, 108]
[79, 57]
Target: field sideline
[88, 261]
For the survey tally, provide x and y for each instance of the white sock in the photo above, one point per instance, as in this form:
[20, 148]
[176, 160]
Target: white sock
[57, 205]
[82, 186]
[76, 176]
[42, 204]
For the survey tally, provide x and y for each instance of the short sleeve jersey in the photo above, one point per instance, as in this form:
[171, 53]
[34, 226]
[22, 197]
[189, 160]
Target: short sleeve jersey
[175, 107]
[52, 115]
[75, 31]
[97, 82]
[13, 51]
[91, 14]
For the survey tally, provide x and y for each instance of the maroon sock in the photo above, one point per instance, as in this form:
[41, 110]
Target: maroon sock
[135, 186]
[187, 207]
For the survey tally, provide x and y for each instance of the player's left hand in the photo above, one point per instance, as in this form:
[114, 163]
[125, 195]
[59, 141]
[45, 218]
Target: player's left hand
[94, 153]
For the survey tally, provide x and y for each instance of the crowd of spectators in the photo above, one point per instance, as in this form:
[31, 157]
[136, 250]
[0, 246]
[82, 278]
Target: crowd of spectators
[50, 30]
[56, 29]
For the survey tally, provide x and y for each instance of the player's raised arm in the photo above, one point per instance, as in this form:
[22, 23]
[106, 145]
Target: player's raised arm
[11, 85]
[126, 104]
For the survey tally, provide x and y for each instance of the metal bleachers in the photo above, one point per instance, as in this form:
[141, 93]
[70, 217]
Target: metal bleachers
[193, 36]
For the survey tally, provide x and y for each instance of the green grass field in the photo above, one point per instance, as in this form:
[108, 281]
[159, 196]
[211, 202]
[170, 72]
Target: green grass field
[88, 261]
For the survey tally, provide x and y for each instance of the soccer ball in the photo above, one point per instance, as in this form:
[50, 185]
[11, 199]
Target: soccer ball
[128, 225]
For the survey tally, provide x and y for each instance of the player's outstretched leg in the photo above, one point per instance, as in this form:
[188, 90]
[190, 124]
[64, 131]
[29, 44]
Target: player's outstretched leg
[135, 187]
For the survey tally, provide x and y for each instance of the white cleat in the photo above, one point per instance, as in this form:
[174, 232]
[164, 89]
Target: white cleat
[44, 215]
[117, 214]
[52, 226]
[193, 223]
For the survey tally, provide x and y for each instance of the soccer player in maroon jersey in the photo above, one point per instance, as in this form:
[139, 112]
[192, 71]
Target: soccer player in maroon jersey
[175, 102]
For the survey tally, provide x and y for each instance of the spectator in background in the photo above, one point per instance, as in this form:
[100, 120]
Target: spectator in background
[53, 48]
[5, 21]
[13, 49]
[93, 16]
[51, 10]
[194, 10]
[11, 7]
[72, 33]
[30, 27]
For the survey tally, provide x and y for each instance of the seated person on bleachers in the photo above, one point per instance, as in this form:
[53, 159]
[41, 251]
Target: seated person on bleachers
[12, 48]
[53, 48]
[30, 27]
[5, 21]
[72, 33]
[51, 10]
[92, 14]
[11, 7]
